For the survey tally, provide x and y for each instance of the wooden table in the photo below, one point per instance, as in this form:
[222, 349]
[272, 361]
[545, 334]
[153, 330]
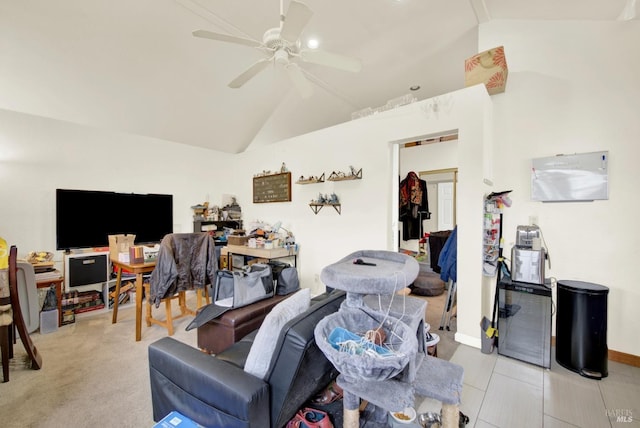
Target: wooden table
[46, 283]
[268, 254]
[139, 270]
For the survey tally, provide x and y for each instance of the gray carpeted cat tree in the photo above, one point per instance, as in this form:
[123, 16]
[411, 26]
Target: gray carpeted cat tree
[390, 366]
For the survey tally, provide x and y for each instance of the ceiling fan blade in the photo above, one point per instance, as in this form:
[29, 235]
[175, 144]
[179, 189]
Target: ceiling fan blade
[256, 68]
[299, 81]
[226, 38]
[629, 11]
[329, 59]
[297, 17]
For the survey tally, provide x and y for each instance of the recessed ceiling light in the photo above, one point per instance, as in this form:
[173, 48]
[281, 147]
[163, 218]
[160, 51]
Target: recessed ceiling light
[414, 87]
[313, 43]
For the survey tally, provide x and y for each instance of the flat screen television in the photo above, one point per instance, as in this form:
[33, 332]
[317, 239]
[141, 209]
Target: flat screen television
[85, 218]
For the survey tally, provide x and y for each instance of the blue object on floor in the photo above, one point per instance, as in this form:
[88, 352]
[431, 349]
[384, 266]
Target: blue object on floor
[176, 420]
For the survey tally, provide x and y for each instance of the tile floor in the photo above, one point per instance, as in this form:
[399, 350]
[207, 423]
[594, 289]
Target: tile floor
[506, 393]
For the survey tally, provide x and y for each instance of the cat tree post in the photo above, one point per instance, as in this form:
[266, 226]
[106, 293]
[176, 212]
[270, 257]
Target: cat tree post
[382, 379]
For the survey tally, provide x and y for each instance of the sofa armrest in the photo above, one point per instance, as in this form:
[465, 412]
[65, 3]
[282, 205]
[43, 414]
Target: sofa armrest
[209, 391]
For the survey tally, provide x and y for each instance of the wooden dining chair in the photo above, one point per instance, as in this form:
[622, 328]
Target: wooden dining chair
[7, 329]
[6, 341]
[181, 297]
[189, 251]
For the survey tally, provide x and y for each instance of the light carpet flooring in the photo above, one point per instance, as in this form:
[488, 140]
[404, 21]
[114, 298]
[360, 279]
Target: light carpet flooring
[95, 374]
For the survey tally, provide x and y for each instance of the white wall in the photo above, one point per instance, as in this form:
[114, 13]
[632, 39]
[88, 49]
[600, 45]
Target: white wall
[369, 206]
[572, 88]
[39, 155]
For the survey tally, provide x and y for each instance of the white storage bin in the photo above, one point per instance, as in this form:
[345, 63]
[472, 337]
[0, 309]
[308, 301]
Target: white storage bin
[48, 321]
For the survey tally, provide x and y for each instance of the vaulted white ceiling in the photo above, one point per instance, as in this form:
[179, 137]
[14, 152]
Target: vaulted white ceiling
[134, 66]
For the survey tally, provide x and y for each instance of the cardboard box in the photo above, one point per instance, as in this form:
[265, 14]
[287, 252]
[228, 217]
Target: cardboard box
[120, 244]
[488, 67]
[237, 240]
[151, 253]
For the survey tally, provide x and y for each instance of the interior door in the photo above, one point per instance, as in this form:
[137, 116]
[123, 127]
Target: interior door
[445, 206]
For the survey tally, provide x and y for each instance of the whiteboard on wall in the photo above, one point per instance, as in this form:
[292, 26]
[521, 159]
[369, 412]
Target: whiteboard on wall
[577, 177]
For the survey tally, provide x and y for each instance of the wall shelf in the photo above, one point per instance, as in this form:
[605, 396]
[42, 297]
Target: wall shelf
[311, 180]
[316, 207]
[341, 176]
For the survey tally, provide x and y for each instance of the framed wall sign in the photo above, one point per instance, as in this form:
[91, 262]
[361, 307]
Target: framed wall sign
[272, 188]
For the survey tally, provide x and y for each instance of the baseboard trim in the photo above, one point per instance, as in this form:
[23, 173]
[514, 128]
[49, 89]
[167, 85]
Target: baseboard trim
[621, 357]
[472, 341]
[618, 357]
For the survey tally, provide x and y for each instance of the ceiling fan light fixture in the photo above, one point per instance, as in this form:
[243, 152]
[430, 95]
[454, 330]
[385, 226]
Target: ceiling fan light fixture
[281, 57]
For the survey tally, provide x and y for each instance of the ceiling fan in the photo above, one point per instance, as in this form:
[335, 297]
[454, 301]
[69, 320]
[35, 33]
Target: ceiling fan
[282, 46]
[629, 11]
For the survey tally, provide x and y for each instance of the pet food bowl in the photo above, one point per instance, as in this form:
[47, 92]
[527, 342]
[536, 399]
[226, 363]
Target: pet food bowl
[406, 416]
[429, 420]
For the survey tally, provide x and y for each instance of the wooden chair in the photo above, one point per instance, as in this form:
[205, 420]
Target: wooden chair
[181, 297]
[12, 308]
[179, 249]
[6, 341]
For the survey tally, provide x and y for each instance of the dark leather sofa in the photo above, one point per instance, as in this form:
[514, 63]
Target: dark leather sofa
[215, 391]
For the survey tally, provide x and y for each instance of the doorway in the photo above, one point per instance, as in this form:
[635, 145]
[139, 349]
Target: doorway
[471, 154]
[435, 161]
[441, 189]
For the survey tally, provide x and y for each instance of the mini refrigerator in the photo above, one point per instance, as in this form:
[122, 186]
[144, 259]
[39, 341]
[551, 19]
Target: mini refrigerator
[524, 321]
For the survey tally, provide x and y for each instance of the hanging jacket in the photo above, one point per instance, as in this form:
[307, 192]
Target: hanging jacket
[449, 257]
[414, 206]
[186, 261]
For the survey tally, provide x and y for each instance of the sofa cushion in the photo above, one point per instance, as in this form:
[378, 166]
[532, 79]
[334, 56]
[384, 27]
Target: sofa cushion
[265, 341]
[237, 354]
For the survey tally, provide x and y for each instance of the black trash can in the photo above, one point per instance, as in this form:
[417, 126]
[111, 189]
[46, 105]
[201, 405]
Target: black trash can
[581, 328]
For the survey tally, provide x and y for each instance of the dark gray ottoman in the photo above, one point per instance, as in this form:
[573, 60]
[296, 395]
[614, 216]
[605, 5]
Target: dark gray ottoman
[427, 283]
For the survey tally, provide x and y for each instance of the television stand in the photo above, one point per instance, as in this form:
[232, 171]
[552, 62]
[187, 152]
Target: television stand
[80, 269]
